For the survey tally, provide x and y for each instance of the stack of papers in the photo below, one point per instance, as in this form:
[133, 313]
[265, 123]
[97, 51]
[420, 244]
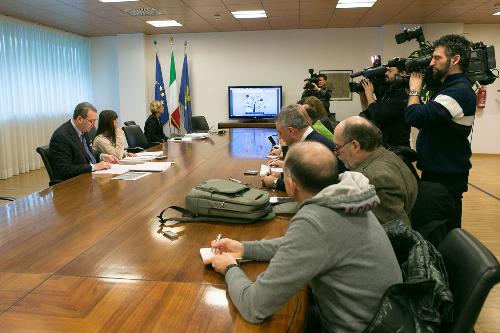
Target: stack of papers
[181, 139]
[197, 135]
[132, 175]
[118, 169]
[266, 169]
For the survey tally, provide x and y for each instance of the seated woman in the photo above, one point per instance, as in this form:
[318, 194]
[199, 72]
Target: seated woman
[316, 124]
[153, 129]
[314, 102]
[110, 138]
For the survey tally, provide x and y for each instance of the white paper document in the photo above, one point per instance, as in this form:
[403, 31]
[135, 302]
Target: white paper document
[197, 135]
[151, 154]
[206, 253]
[132, 175]
[151, 166]
[266, 169]
[181, 139]
[116, 169]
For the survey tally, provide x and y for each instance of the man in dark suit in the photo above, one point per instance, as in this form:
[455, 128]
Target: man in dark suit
[293, 127]
[70, 150]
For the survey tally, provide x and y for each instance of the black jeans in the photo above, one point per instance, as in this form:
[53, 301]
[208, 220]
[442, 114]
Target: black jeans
[313, 320]
[456, 184]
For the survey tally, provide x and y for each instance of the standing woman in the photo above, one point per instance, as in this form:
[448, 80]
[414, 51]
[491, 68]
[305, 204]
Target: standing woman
[110, 139]
[153, 129]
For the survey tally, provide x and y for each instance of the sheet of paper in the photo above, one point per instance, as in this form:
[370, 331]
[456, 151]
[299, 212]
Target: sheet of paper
[153, 154]
[181, 139]
[206, 253]
[116, 169]
[132, 175]
[266, 169]
[197, 135]
[151, 166]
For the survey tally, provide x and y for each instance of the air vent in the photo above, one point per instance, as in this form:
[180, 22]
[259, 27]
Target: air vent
[142, 12]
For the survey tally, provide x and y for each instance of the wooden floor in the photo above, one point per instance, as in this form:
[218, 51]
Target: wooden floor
[481, 211]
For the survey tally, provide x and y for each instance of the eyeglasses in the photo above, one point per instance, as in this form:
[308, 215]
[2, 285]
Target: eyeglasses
[90, 121]
[337, 147]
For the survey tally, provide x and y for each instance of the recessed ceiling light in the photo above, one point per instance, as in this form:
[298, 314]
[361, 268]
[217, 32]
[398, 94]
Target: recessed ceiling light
[116, 0]
[163, 24]
[242, 14]
[355, 3]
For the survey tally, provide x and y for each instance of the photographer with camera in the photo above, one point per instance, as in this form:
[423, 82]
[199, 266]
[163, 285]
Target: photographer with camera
[387, 111]
[317, 86]
[445, 121]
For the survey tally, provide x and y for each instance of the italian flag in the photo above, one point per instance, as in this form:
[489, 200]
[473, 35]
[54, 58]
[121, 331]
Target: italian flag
[175, 115]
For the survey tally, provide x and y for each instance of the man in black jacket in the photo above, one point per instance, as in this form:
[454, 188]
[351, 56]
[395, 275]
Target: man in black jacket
[292, 127]
[387, 111]
[70, 150]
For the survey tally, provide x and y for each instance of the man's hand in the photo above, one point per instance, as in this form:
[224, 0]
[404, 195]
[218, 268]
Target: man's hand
[276, 163]
[109, 158]
[101, 166]
[275, 151]
[221, 261]
[416, 81]
[229, 246]
[316, 87]
[268, 181]
[369, 91]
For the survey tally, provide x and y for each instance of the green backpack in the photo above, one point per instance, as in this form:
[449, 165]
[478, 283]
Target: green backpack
[222, 200]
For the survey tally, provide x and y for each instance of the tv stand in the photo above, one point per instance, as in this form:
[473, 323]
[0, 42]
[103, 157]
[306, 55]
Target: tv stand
[257, 121]
[254, 123]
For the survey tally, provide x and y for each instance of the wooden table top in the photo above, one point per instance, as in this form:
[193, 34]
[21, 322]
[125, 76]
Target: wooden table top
[86, 255]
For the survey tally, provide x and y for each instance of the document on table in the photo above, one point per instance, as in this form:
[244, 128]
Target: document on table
[197, 135]
[151, 166]
[266, 169]
[151, 154]
[116, 169]
[181, 139]
[132, 175]
[206, 253]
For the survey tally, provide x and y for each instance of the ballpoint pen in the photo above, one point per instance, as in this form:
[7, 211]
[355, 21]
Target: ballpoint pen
[216, 240]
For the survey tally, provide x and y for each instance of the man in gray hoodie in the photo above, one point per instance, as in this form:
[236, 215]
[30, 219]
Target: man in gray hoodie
[334, 244]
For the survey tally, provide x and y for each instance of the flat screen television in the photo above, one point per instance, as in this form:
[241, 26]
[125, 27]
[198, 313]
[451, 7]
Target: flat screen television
[254, 102]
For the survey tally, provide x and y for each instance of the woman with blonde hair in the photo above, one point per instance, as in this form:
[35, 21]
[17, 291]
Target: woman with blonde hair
[153, 128]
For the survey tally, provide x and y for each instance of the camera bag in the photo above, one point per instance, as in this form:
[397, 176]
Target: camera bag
[226, 201]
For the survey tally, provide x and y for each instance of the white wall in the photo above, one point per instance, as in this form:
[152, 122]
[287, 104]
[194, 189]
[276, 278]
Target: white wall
[217, 60]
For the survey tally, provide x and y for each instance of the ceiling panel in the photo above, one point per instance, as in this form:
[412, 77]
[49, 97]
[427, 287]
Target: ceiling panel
[93, 18]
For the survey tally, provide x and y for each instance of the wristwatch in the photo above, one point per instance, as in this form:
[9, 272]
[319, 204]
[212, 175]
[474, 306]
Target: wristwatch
[229, 267]
[414, 93]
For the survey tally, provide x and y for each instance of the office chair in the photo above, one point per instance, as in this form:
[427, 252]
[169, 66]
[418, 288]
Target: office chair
[472, 272]
[136, 139]
[44, 152]
[91, 134]
[129, 123]
[7, 198]
[199, 124]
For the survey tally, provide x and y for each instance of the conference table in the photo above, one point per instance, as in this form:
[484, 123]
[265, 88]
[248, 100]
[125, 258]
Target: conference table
[88, 254]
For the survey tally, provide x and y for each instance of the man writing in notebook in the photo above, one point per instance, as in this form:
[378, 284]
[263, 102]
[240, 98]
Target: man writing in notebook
[333, 244]
[70, 151]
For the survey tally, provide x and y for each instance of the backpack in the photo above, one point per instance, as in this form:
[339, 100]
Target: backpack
[222, 200]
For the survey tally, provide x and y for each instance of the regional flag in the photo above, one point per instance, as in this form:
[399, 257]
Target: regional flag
[160, 94]
[174, 102]
[185, 97]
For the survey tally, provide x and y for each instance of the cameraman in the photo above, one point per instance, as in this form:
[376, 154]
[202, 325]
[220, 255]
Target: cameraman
[445, 121]
[320, 91]
[387, 111]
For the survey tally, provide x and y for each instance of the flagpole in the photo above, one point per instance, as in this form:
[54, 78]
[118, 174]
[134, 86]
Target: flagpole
[171, 50]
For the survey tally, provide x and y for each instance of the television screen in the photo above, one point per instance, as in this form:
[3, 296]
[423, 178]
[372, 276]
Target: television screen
[253, 102]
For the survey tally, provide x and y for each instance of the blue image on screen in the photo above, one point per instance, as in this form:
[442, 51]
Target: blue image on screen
[254, 102]
[245, 143]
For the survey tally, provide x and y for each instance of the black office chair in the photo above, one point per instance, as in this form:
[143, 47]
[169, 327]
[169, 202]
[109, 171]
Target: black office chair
[136, 139]
[129, 123]
[91, 134]
[7, 198]
[44, 152]
[472, 272]
[199, 124]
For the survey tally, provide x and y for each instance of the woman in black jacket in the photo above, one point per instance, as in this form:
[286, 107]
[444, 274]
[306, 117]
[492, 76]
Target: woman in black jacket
[153, 128]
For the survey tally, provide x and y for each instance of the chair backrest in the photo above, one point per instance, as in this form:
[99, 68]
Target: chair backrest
[135, 136]
[199, 124]
[91, 134]
[7, 198]
[129, 123]
[472, 272]
[44, 152]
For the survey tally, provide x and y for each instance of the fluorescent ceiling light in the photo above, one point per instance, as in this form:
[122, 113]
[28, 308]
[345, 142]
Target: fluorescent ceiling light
[497, 13]
[116, 0]
[163, 24]
[249, 14]
[355, 3]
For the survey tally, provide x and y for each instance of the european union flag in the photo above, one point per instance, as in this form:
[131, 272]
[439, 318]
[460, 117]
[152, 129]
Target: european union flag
[185, 97]
[160, 92]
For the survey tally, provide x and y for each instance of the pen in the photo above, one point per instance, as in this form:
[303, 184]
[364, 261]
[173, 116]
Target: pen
[216, 239]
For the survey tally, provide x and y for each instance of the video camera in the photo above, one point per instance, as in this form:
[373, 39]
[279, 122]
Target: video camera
[376, 74]
[312, 79]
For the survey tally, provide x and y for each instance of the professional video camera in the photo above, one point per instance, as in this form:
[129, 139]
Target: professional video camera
[312, 79]
[376, 74]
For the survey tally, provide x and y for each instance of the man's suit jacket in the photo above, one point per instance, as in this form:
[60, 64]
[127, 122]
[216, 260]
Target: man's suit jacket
[395, 185]
[66, 152]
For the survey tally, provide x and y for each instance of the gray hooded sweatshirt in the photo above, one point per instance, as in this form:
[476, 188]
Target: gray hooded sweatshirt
[335, 245]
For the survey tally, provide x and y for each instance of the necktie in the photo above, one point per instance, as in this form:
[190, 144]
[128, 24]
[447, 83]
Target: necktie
[90, 156]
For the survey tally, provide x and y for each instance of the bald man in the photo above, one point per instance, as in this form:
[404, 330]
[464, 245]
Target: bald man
[358, 145]
[334, 244]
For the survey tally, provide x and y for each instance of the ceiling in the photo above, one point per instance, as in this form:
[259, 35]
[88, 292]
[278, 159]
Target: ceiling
[93, 18]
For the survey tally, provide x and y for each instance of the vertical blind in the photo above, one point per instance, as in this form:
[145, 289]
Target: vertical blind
[44, 73]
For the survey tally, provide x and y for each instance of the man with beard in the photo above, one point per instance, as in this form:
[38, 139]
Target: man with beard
[445, 121]
[387, 111]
